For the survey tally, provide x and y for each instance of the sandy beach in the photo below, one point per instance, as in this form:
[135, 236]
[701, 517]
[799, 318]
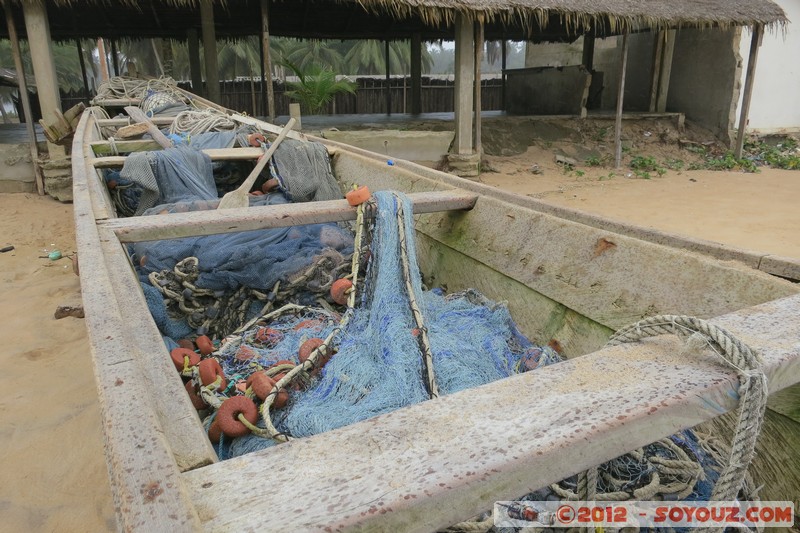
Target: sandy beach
[54, 473]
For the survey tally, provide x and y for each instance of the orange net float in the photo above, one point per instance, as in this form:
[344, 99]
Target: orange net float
[256, 139]
[308, 347]
[204, 344]
[197, 400]
[310, 324]
[269, 185]
[340, 290]
[358, 196]
[245, 353]
[214, 432]
[210, 370]
[179, 356]
[228, 416]
[263, 385]
[269, 335]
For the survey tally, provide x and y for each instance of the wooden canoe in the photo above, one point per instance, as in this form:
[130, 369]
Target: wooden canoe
[567, 277]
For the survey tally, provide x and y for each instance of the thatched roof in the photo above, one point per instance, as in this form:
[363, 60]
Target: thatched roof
[397, 19]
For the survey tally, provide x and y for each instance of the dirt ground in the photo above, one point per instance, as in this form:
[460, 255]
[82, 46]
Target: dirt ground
[53, 476]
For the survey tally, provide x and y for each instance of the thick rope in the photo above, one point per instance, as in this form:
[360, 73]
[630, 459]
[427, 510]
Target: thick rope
[194, 122]
[422, 331]
[752, 387]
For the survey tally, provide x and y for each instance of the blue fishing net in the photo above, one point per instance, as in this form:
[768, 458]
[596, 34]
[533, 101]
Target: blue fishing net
[378, 365]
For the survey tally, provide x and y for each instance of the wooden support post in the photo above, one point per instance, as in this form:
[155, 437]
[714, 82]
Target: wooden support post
[620, 98]
[503, 77]
[210, 50]
[44, 69]
[22, 84]
[102, 59]
[477, 84]
[266, 64]
[195, 69]
[755, 43]
[83, 68]
[465, 72]
[388, 81]
[658, 56]
[416, 73]
[666, 70]
[587, 57]
[115, 58]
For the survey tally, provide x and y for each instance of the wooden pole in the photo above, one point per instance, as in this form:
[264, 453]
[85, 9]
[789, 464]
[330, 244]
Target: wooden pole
[388, 81]
[666, 70]
[37, 28]
[115, 58]
[477, 96]
[416, 73]
[465, 72]
[22, 84]
[210, 50]
[503, 77]
[658, 56]
[587, 56]
[83, 67]
[266, 64]
[755, 43]
[195, 70]
[101, 57]
[620, 98]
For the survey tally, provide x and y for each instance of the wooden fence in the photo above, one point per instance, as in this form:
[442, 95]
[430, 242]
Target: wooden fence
[369, 98]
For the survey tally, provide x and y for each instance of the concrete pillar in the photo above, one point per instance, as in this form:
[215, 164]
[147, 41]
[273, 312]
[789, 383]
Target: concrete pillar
[477, 94]
[266, 64]
[195, 71]
[388, 79]
[416, 73]
[465, 74]
[44, 68]
[210, 50]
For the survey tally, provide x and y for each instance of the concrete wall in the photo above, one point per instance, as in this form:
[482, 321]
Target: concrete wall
[706, 69]
[775, 105]
[607, 54]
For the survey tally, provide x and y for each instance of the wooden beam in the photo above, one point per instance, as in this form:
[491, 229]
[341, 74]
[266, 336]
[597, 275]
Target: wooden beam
[267, 61]
[210, 50]
[503, 76]
[177, 225]
[438, 462]
[104, 148]
[216, 154]
[22, 84]
[755, 44]
[125, 121]
[666, 70]
[620, 98]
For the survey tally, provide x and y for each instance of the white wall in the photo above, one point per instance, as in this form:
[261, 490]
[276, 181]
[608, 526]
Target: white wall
[775, 105]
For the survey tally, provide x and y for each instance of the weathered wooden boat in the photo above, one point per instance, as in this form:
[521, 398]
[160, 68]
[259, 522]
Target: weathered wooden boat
[430, 465]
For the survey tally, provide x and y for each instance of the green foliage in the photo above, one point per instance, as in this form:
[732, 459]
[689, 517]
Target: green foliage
[316, 87]
[594, 161]
[783, 155]
[674, 164]
[580, 173]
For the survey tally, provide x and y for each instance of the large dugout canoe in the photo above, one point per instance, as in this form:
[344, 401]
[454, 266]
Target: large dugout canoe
[433, 464]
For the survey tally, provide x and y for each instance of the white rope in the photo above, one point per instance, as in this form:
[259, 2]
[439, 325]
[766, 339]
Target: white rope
[195, 122]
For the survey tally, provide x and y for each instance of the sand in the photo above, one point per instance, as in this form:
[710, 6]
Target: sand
[53, 475]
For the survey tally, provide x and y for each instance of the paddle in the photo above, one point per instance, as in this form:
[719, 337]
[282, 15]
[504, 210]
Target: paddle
[238, 198]
[138, 116]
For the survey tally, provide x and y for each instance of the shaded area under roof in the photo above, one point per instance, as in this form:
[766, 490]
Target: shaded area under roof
[537, 20]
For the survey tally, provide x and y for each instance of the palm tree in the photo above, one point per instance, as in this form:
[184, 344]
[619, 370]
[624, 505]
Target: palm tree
[316, 87]
[307, 53]
[369, 57]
